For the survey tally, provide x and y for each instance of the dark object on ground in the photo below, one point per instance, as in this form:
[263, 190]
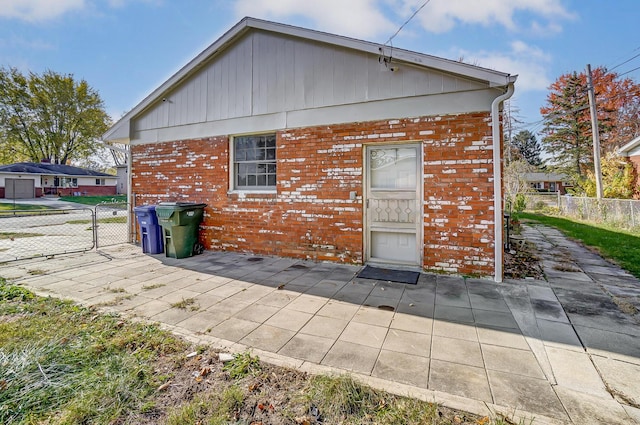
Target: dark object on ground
[378, 273]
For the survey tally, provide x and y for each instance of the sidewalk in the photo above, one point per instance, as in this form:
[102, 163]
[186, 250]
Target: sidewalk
[50, 202]
[555, 350]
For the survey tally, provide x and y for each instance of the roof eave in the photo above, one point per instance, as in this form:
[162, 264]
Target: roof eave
[626, 149]
[191, 66]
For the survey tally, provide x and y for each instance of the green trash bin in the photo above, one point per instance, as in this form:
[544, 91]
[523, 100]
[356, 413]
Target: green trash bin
[180, 222]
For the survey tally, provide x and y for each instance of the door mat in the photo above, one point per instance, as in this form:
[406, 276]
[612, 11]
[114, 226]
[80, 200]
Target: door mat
[377, 273]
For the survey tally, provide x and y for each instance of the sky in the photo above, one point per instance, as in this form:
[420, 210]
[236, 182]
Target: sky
[126, 48]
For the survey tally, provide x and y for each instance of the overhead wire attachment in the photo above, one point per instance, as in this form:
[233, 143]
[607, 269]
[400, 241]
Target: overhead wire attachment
[387, 59]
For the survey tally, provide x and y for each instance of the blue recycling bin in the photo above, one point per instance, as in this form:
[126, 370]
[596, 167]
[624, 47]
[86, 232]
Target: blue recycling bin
[150, 231]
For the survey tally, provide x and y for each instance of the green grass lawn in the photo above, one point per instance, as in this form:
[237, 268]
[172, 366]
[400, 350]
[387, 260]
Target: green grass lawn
[14, 235]
[94, 200]
[5, 206]
[7, 209]
[119, 219]
[60, 363]
[619, 246]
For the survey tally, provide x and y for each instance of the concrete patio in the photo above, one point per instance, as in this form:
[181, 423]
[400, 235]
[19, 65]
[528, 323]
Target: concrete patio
[552, 350]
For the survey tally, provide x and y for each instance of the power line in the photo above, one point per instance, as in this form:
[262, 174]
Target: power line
[618, 65]
[406, 22]
[628, 72]
[627, 61]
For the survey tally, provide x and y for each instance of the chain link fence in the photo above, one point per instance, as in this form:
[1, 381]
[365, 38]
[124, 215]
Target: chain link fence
[621, 213]
[111, 224]
[28, 234]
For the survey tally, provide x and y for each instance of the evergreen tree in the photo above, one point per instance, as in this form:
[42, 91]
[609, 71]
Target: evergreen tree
[528, 146]
[567, 126]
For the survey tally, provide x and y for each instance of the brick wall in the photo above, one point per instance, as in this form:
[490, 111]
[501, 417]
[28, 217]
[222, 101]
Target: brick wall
[87, 190]
[312, 215]
[38, 192]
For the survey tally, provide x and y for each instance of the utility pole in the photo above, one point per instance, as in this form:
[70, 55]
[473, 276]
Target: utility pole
[508, 124]
[595, 133]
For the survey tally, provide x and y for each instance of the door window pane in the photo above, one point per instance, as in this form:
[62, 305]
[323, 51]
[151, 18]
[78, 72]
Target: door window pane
[393, 168]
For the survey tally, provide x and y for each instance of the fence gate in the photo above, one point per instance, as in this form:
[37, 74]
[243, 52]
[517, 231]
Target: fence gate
[41, 233]
[111, 225]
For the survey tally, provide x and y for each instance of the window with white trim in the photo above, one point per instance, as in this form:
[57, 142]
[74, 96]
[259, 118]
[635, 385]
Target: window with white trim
[68, 182]
[100, 182]
[254, 162]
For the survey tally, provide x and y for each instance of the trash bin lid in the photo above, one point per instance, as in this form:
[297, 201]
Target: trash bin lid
[145, 208]
[181, 204]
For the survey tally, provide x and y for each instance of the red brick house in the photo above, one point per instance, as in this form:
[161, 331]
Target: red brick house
[312, 145]
[548, 182]
[631, 151]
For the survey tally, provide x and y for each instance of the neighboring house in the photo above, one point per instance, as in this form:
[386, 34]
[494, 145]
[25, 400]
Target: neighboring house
[30, 180]
[631, 151]
[548, 182]
[311, 145]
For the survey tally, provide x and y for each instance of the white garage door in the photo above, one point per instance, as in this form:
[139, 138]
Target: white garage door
[19, 188]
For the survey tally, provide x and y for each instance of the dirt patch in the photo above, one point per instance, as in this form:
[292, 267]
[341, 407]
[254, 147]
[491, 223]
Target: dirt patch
[522, 262]
[202, 377]
[566, 268]
[625, 306]
[274, 396]
[8, 318]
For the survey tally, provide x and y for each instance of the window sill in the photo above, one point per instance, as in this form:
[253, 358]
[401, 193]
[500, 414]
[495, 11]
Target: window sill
[247, 194]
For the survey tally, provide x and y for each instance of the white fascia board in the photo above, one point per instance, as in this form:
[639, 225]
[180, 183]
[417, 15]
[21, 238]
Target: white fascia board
[630, 148]
[432, 105]
[252, 124]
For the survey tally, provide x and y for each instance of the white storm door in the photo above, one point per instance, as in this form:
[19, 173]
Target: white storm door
[393, 213]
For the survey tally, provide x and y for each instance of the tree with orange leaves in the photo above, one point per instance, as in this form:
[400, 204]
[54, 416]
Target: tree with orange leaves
[567, 129]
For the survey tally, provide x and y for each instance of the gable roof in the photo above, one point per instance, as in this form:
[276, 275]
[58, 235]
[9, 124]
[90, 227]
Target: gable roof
[51, 169]
[545, 177]
[628, 149]
[120, 130]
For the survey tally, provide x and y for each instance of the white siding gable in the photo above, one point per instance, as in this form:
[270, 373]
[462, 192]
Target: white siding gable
[271, 73]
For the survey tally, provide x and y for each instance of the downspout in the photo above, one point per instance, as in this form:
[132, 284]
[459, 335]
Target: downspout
[131, 200]
[497, 181]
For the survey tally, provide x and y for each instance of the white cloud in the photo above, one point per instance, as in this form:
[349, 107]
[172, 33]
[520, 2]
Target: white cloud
[530, 63]
[550, 28]
[443, 15]
[356, 18]
[21, 43]
[116, 4]
[38, 10]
